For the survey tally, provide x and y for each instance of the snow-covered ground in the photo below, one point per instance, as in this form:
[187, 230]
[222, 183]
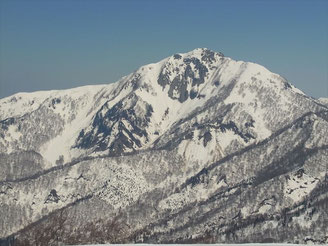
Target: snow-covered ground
[244, 244]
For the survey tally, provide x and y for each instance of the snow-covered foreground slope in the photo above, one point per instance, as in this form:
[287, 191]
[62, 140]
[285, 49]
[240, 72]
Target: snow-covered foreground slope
[195, 148]
[246, 244]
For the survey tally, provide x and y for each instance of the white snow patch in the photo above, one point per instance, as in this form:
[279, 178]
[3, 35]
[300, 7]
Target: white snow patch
[299, 186]
[323, 101]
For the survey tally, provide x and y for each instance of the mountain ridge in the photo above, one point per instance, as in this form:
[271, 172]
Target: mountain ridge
[74, 162]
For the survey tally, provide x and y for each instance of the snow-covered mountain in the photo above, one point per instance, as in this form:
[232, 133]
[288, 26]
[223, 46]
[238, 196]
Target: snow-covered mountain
[195, 148]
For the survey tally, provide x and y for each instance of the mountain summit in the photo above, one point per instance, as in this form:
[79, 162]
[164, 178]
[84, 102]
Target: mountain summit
[139, 111]
[195, 148]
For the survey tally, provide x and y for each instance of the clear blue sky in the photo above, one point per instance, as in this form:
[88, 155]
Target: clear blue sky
[67, 43]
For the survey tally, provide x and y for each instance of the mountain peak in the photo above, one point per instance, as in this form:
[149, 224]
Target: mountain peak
[184, 74]
[202, 53]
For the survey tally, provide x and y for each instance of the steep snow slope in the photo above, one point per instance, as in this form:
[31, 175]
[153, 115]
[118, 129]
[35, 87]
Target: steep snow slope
[33, 115]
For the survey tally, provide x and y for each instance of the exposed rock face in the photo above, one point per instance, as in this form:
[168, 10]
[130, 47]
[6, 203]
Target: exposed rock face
[184, 80]
[195, 148]
[126, 122]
